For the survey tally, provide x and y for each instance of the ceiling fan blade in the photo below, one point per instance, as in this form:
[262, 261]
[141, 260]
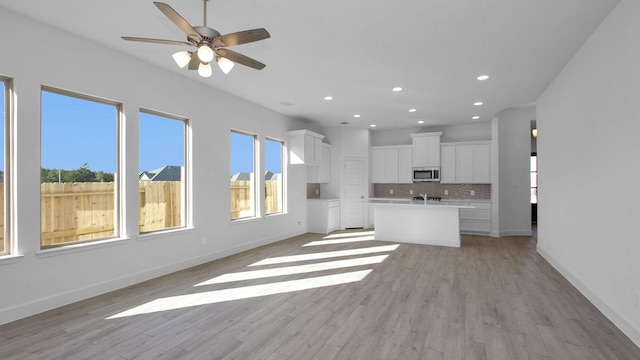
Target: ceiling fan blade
[155, 41]
[240, 59]
[243, 37]
[195, 61]
[179, 21]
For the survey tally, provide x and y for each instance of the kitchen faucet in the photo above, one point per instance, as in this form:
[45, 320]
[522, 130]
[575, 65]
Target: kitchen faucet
[424, 196]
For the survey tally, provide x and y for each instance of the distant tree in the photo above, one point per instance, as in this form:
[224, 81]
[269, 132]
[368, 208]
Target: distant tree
[101, 176]
[81, 174]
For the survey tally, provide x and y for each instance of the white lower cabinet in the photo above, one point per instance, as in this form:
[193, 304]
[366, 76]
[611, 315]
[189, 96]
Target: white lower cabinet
[476, 220]
[323, 215]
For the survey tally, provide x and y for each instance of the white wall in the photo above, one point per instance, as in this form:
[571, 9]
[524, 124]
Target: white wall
[588, 124]
[511, 192]
[38, 280]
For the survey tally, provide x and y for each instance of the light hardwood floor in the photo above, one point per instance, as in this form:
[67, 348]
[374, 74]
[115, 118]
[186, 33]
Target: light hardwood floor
[490, 299]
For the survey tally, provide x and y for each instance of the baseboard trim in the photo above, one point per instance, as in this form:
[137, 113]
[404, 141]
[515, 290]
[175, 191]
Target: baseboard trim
[619, 321]
[54, 301]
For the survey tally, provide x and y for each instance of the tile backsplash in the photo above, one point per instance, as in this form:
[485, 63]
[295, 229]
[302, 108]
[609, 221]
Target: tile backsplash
[455, 191]
[313, 191]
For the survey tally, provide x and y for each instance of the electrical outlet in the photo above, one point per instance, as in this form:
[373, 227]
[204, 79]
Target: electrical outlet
[446, 192]
[473, 193]
[390, 191]
[203, 240]
[299, 222]
[410, 192]
[317, 192]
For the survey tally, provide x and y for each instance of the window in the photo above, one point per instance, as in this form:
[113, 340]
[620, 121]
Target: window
[534, 178]
[79, 162]
[243, 181]
[4, 150]
[162, 172]
[273, 177]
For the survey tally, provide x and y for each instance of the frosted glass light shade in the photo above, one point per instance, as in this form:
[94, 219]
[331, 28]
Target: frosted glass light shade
[205, 70]
[205, 53]
[182, 58]
[225, 64]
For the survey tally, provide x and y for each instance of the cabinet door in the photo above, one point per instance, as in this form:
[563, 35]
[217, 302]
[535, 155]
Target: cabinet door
[481, 164]
[448, 164]
[405, 165]
[464, 164]
[433, 151]
[312, 174]
[420, 151]
[391, 165]
[317, 150]
[377, 165]
[309, 148]
[324, 169]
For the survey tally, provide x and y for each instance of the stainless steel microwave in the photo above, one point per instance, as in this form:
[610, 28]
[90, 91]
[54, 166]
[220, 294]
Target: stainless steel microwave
[421, 174]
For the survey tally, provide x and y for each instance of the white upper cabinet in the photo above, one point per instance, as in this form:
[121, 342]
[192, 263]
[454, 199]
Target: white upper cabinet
[321, 173]
[426, 149]
[305, 147]
[391, 164]
[324, 169]
[466, 163]
[405, 165]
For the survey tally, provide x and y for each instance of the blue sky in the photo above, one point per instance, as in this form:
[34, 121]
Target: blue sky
[77, 131]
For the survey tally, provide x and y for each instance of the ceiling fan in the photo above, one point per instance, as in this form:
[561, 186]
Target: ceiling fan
[209, 42]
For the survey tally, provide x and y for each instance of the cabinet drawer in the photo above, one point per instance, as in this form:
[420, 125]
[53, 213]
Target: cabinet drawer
[475, 226]
[475, 214]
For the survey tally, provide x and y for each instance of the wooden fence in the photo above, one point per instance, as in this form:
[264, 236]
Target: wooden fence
[241, 199]
[78, 212]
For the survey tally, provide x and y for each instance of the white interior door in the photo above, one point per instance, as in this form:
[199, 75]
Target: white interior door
[353, 193]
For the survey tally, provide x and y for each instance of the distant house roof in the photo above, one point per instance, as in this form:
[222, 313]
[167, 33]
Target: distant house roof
[246, 176]
[241, 176]
[165, 173]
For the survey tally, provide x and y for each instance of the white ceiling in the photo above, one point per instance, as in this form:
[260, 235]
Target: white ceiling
[357, 50]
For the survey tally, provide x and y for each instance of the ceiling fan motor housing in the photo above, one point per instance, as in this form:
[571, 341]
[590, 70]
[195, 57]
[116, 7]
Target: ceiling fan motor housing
[207, 34]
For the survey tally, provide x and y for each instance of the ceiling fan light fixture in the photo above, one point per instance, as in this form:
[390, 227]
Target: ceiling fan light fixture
[205, 53]
[225, 64]
[204, 70]
[182, 58]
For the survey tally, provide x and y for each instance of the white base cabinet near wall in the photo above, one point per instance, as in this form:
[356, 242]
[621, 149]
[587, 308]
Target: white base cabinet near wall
[476, 220]
[323, 215]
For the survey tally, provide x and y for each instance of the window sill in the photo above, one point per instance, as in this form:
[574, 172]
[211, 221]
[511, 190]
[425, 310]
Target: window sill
[164, 233]
[10, 259]
[70, 249]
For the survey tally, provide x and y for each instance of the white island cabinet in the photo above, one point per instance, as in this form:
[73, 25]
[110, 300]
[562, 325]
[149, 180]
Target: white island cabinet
[411, 222]
[323, 215]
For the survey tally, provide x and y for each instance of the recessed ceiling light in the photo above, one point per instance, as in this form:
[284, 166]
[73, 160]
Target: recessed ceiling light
[356, 115]
[412, 110]
[482, 77]
[477, 103]
[372, 125]
[328, 98]
[475, 117]
[397, 88]
[421, 122]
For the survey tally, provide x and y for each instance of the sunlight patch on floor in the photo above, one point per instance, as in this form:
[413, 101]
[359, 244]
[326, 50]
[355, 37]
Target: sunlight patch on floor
[340, 241]
[349, 234]
[291, 270]
[325, 255]
[211, 297]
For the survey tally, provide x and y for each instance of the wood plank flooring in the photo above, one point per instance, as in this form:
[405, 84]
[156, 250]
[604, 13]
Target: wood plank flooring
[490, 299]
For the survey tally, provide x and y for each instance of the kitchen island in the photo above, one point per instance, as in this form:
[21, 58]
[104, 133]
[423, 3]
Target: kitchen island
[415, 222]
